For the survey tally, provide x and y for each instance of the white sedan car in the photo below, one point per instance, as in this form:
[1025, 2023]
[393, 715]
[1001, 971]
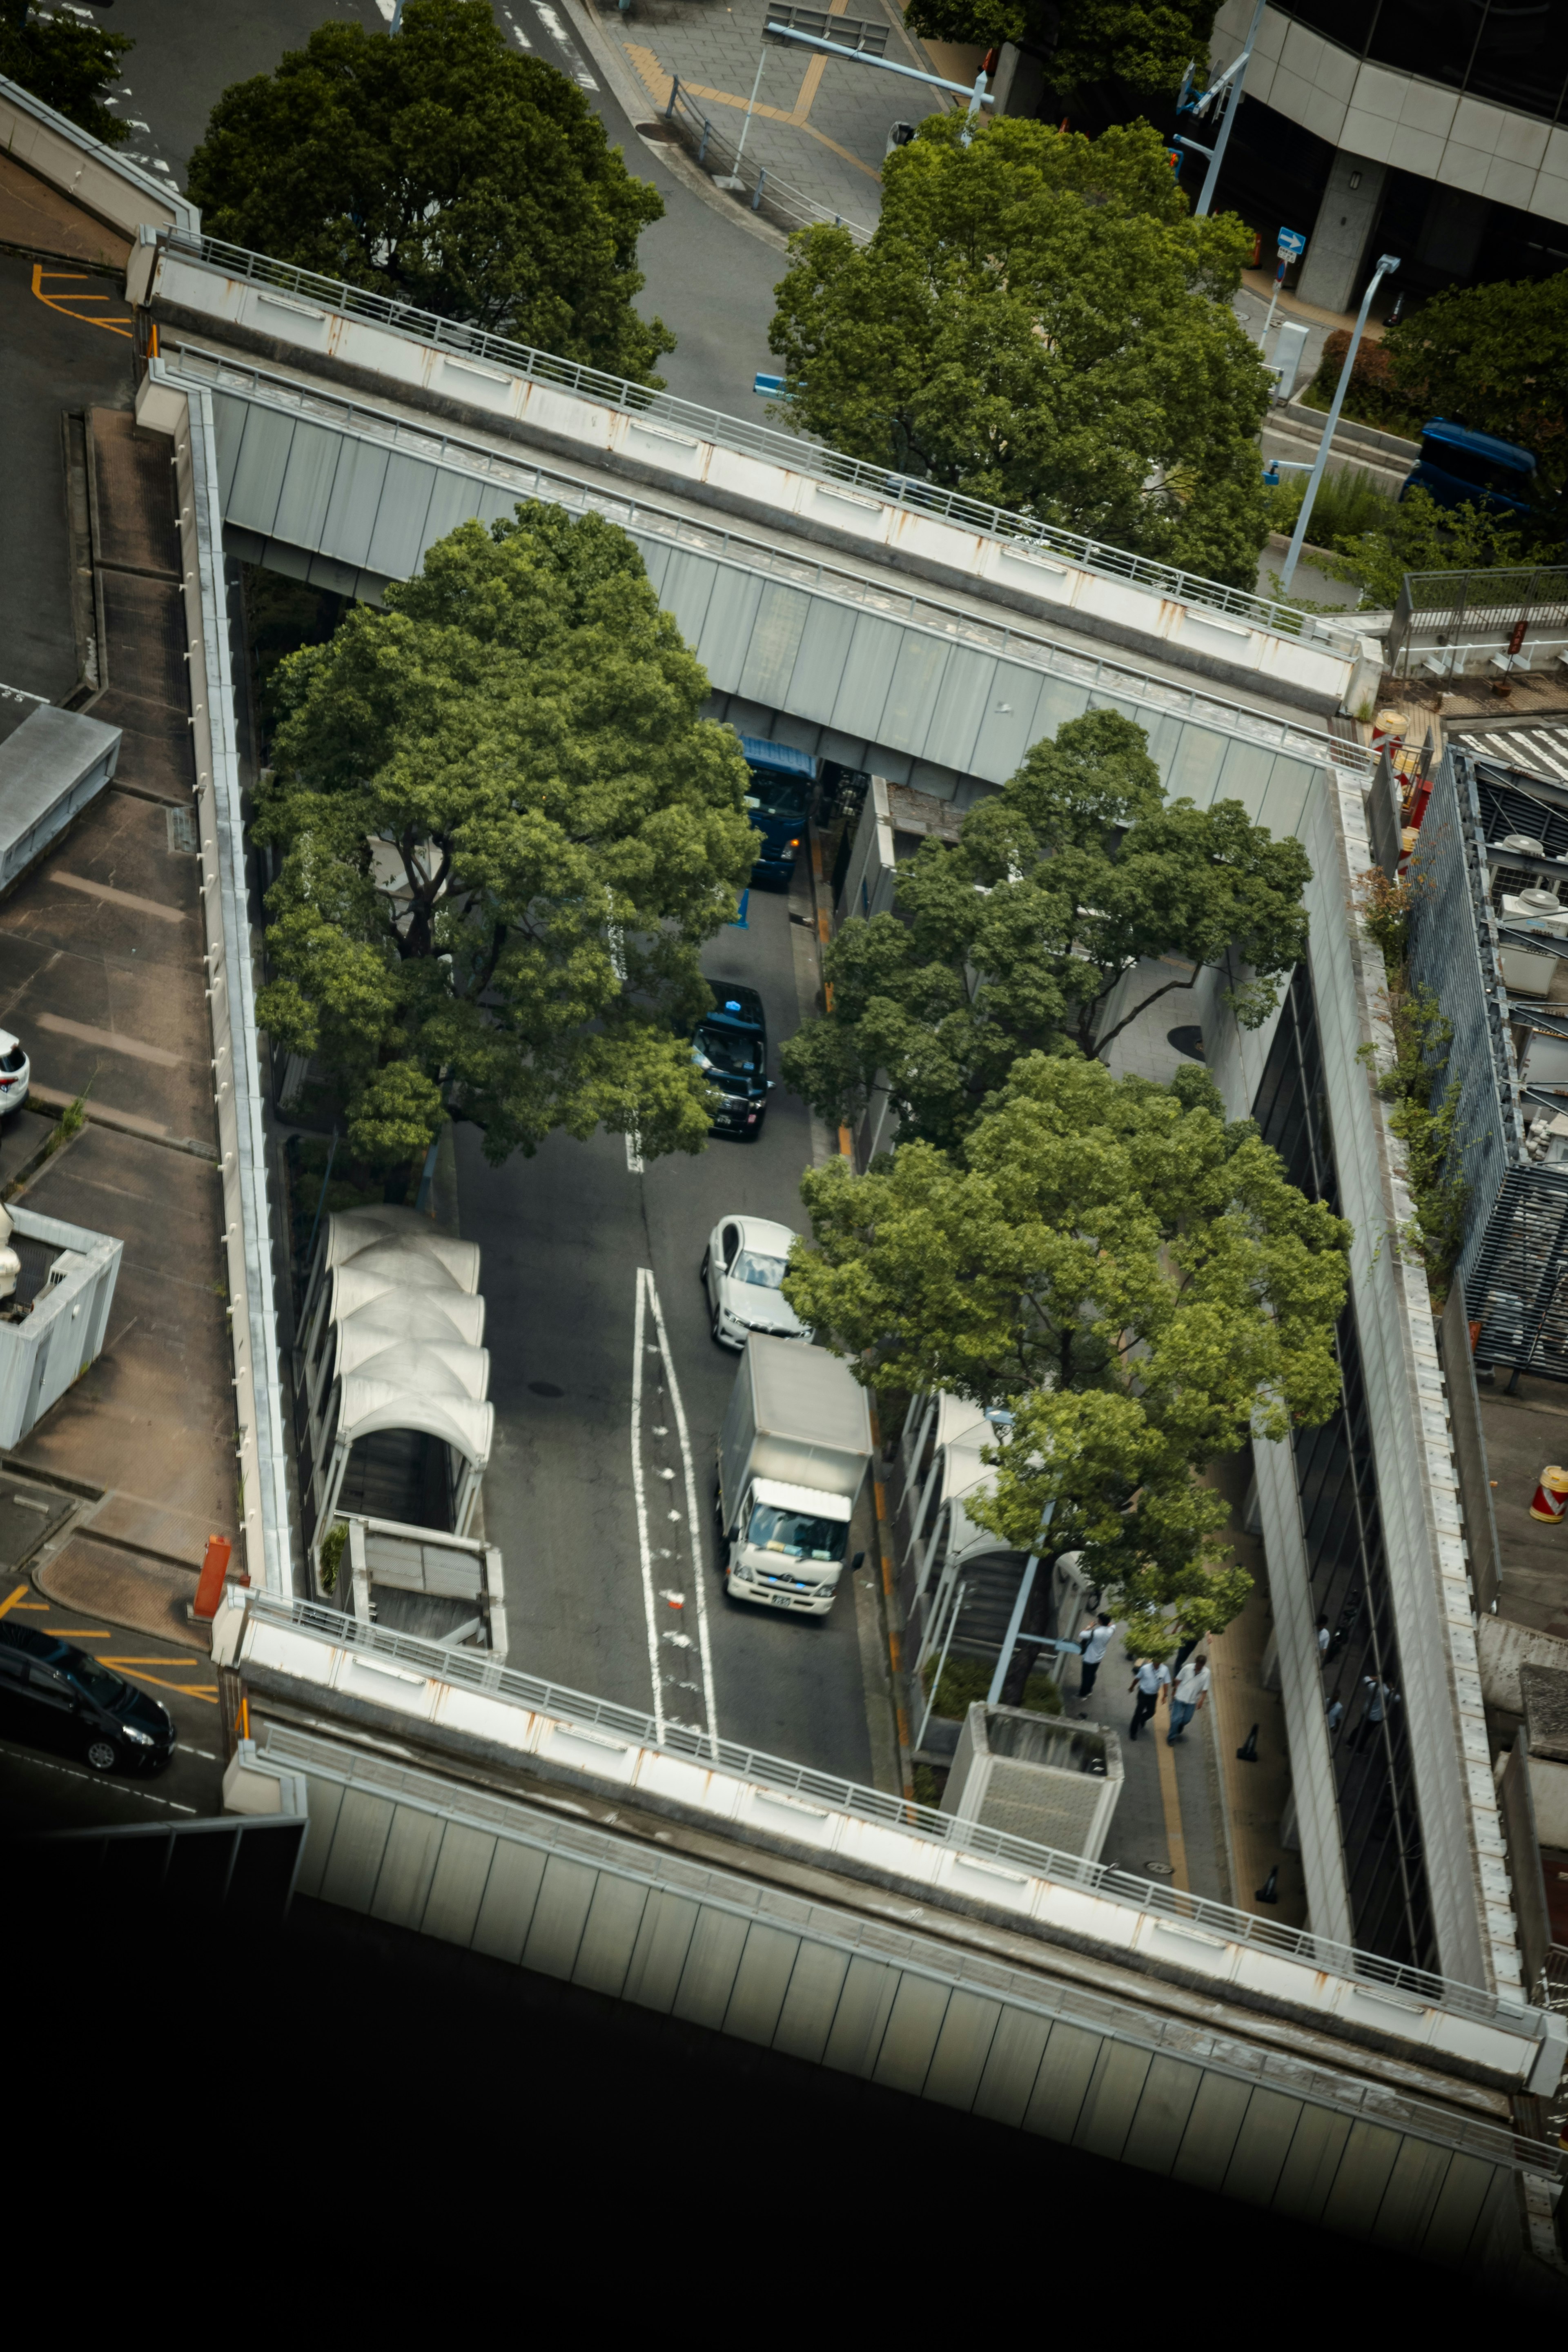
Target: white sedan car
[742, 1267]
[15, 1073]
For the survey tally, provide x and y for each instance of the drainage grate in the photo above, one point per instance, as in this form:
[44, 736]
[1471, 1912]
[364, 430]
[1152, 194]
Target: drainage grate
[182, 831]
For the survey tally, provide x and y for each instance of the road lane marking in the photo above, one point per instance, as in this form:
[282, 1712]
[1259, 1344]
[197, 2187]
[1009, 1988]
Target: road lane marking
[12, 1598]
[699, 1574]
[634, 1155]
[98, 1781]
[644, 1554]
[187, 1690]
[1170, 1801]
[564, 43]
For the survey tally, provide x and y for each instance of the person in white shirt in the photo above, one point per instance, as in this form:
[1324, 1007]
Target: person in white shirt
[1150, 1682]
[1093, 1643]
[1192, 1689]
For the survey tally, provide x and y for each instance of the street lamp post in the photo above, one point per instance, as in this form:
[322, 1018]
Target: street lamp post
[1229, 83]
[978, 97]
[1386, 268]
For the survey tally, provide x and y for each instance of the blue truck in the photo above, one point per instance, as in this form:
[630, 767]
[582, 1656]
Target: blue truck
[1457, 467]
[778, 803]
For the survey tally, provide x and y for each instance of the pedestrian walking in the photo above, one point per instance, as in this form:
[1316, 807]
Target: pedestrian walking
[1335, 1712]
[1150, 1680]
[1093, 1643]
[1382, 1697]
[1192, 1689]
[1323, 1638]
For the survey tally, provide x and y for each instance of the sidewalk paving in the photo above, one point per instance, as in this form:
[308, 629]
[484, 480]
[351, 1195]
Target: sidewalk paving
[820, 123]
[102, 974]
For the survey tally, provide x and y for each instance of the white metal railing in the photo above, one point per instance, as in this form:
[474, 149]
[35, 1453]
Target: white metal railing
[473, 1671]
[530, 478]
[790, 450]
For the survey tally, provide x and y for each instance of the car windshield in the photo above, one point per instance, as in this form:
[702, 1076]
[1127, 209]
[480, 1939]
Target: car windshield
[786, 796]
[96, 1681]
[752, 1265]
[796, 1533]
[737, 1053]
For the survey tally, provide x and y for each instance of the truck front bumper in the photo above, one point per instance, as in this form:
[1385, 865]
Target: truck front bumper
[767, 1596]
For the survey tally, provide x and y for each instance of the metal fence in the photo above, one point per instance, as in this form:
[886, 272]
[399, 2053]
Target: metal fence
[794, 451]
[759, 190]
[474, 1671]
[1468, 608]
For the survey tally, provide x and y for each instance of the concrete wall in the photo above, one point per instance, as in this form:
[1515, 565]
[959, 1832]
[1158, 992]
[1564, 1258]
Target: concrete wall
[104, 183]
[1416, 1475]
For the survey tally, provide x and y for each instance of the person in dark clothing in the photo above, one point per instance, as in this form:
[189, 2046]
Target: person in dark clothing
[1150, 1682]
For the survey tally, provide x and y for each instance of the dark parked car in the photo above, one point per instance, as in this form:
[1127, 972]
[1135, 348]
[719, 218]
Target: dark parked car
[730, 1046]
[52, 1695]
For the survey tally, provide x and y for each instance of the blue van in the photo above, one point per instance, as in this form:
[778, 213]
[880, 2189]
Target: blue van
[1457, 467]
[778, 803]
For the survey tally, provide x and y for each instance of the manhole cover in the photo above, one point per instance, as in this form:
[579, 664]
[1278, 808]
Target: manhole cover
[1159, 1870]
[544, 1388]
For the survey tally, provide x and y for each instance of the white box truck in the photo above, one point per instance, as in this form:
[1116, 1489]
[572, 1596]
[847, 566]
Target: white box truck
[792, 1458]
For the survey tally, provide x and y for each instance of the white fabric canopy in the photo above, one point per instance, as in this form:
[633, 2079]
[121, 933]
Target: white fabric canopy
[352, 1232]
[443, 1366]
[357, 1288]
[371, 1403]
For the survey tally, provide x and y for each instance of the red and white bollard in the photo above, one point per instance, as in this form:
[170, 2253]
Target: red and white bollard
[1551, 1495]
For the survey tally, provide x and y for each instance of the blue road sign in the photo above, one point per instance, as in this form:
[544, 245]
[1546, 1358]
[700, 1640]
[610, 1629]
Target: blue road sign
[1292, 244]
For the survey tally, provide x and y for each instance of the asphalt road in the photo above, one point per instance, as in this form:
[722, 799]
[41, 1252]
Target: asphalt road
[565, 1238]
[55, 1788]
[710, 281]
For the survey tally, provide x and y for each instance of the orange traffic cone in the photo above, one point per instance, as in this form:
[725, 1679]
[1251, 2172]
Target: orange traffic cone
[1551, 1495]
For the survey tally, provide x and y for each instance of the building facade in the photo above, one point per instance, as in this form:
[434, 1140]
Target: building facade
[1434, 130]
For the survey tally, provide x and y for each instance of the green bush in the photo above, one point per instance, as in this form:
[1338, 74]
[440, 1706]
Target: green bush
[967, 1681]
[332, 1547]
[1348, 501]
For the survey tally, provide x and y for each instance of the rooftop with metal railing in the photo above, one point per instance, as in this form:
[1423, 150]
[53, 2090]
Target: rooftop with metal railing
[791, 450]
[478, 1672]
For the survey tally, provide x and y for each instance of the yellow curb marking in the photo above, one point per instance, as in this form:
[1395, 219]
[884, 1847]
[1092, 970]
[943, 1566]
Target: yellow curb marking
[62, 302]
[658, 84]
[1170, 1798]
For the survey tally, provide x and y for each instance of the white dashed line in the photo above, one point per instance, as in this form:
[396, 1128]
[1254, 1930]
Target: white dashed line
[564, 43]
[644, 1554]
[520, 37]
[694, 1529]
[96, 1782]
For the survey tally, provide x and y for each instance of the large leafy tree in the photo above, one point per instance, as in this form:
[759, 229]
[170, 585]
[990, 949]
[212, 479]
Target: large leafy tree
[67, 63]
[1494, 357]
[1040, 322]
[1136, 1282]
[1013, 941]
[444, 170]
[505, 832]
[1145, 44]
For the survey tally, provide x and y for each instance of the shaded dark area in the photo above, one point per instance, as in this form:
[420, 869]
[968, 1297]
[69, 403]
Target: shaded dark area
[446, 2044]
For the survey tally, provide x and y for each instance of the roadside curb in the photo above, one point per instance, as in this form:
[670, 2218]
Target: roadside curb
[122, 1624]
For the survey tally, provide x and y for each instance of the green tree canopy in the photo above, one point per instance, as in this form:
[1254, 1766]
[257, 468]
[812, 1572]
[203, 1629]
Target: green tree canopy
[1012, 941]
[1494, 357]
[1147, 45]
[66, 62]
[1039, 320]
[1135, 1281]
[505, 832]
[446, 171]
[1418, 535]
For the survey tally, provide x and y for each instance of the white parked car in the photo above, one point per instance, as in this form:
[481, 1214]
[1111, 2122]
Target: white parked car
[15, 1073]
[742, 1267]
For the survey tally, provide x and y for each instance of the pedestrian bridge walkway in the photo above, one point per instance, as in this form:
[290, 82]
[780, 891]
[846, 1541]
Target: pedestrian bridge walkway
[888, 625]
[460, 1798]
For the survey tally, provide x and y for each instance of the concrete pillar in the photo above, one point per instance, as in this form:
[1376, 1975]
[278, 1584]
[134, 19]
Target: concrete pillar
[1346, 218]
[1019, 85]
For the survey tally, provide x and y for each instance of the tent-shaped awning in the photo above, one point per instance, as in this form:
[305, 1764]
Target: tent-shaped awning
[358, 1233]
[443, 1364]
[370, 1405]
[357, 1288]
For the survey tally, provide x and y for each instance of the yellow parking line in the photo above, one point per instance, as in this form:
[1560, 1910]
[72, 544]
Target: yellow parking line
[80, 1632]
[13, 1596]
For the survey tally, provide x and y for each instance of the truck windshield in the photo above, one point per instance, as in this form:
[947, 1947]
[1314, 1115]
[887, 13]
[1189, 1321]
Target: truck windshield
[750, 1265]
[738, 1053]
[785, 796]
[796, 1533]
